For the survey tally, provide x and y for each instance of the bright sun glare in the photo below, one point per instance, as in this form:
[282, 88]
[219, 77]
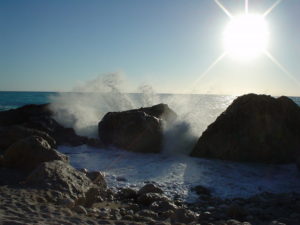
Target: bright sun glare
[246, 36]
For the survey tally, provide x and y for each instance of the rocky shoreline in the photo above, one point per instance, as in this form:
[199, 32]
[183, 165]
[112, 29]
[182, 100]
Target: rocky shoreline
[39, 186]
[23, 203]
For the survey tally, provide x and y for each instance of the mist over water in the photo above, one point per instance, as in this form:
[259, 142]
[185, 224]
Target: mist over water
[85, 106]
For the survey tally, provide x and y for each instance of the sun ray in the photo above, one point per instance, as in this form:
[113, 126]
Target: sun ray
[281, 67]
[208, 70]
[246, 6]
[223, 8]
[271, 8]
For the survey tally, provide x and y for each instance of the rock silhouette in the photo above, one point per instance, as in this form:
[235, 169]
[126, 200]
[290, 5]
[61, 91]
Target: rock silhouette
[254, 128]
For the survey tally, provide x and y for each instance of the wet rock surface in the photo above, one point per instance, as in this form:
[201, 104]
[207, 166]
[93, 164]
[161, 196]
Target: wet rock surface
[254, 128]
[138, 130]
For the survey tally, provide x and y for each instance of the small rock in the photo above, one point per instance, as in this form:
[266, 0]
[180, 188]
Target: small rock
[236, 212]
[184, 216]
[150, 188]
[162, 206]
[68, 203]
[127, 193]
[276, 223]
[80, 209]
[148, 198]
[97, 177]
[84, 170]
[147, 213]
[121, 179]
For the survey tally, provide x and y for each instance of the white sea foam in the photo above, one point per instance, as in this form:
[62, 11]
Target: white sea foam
[176, 174]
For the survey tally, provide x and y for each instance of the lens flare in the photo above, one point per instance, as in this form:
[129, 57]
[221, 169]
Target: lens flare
[246, 36]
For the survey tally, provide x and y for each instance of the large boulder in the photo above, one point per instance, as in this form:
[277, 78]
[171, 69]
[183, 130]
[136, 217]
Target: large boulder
[70, 182]
[138, 130]
[40, 117]
[29, 153]
[60, 176]
[12, 134]
[254, 128]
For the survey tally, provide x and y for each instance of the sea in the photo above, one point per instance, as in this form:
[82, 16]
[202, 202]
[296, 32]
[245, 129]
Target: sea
[172, 170]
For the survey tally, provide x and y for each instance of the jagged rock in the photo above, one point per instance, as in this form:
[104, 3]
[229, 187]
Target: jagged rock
[29, 153]
[138, 130]
[150, 188]
[256, 128]
[12, 134]
[60, 176]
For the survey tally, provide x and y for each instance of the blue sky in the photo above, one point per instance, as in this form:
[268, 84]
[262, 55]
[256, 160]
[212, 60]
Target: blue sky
[58, 44]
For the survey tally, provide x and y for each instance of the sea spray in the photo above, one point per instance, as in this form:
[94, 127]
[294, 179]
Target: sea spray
[85, 106]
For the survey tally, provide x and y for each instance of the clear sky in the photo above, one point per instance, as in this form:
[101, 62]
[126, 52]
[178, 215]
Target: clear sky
[53, 45]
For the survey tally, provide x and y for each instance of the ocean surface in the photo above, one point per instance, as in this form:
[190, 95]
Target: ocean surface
[173, 170]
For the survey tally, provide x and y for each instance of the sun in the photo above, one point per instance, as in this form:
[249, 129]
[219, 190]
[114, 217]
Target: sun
[246, 36]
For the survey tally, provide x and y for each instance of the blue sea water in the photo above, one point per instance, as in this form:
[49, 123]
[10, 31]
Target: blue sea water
[11, 99]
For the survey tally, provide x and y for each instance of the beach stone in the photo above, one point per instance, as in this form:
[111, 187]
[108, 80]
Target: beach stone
[97, 177]
[93, 195]
[163, 206]
[236, 212]
[80, 209]
[147, 213]
[127, 193]
[148, 198]
[150, 188]
[184, 216]
[256, 128]
[10, 135]
[67, 202]
[233, 222]
[30, 152]
[138, 130]
[60, 176]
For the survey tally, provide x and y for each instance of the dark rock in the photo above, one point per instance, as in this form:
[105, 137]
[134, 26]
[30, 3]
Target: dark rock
[60, 176]
[201, 190]
[233, 222]
[12, 134]
[139, 130]
[40, 117]
[163, 206]
[147, 213]
[93, 195]
[236, 212]
[97, 177]
[256, 128]
[184, 216]
[127, 193]
[148, 198]
[150, 188]
[29, 153]
[80, 209]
